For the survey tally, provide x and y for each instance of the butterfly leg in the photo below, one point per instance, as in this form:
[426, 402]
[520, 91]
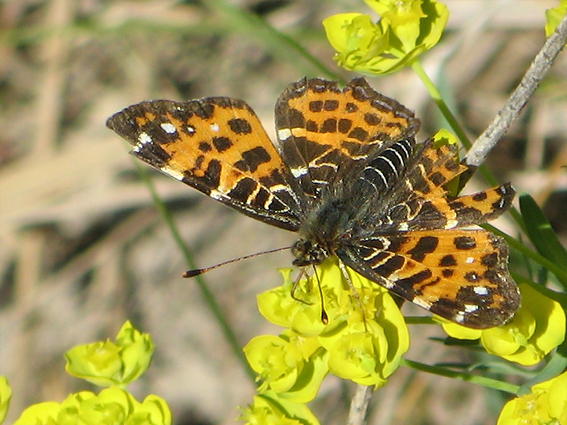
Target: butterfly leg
[354, 291]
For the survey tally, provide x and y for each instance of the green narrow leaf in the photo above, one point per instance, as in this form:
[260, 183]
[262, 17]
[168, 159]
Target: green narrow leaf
[541, 233]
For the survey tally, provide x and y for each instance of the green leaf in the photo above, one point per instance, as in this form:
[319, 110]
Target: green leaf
[541, 233]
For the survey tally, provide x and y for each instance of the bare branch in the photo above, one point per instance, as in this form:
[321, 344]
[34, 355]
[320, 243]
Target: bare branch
[359, 405]
[513, 107]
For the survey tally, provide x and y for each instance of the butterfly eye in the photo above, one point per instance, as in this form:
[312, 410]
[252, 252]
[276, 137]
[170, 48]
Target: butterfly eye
[307, 253]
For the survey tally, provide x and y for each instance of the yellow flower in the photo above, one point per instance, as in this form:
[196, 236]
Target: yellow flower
[407, 28]
[364, 338]
[5, 397]
[289, 365]
[111, 406]
[546, 404]
[270, 409]
[302, 314]
[360, 355]
[106, 363]
[536, 329]
[368, 352]
[554, 17]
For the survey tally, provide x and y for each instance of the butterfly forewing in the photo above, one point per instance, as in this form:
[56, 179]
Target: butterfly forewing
[324, 131]
[218, 146]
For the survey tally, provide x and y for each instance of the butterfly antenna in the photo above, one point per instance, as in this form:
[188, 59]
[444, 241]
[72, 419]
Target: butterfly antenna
[324, 316]
[197, 272]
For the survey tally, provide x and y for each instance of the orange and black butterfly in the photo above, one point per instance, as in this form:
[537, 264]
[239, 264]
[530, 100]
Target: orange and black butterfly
[347, 175]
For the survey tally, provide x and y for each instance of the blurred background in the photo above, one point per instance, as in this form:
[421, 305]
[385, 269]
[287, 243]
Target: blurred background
[83, 248]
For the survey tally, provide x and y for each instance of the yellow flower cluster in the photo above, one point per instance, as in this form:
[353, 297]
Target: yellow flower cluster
[111, 405]
[406, 29]
[109, 364]
[363, 339]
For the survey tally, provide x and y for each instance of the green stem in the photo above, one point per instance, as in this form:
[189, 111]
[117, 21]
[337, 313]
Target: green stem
[438, 99]
[207, 294]
[448, 115]
[480, 380]
[420, 320]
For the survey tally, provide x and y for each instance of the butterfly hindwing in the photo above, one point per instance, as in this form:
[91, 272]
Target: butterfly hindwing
[460, 275]
[416, 249]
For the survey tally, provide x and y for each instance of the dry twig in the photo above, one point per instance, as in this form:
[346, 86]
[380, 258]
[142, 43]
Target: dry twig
[359, 405]
[519, 98]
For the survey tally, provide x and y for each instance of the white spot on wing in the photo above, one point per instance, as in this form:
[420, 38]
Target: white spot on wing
[215, 194]
[144, 138]
[469, 260]
[421, 302]
[480, 290]
[215, 127]
[168, 127]
[298, 172]
[388, 284]
[469, 308]
[173, 173]
[451, 224]
[284, 133]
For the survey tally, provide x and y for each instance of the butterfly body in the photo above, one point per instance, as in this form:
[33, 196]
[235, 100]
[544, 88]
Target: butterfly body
[348, 177]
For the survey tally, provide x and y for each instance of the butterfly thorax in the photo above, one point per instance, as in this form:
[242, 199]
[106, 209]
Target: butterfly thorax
[322, 230]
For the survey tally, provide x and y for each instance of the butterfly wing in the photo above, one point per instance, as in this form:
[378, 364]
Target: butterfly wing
[460, 275]
[417, 249]
[324, 132]
[218, 146]
[408, 192]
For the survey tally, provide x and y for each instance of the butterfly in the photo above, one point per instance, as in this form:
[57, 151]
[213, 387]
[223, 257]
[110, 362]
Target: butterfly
[347, 175]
